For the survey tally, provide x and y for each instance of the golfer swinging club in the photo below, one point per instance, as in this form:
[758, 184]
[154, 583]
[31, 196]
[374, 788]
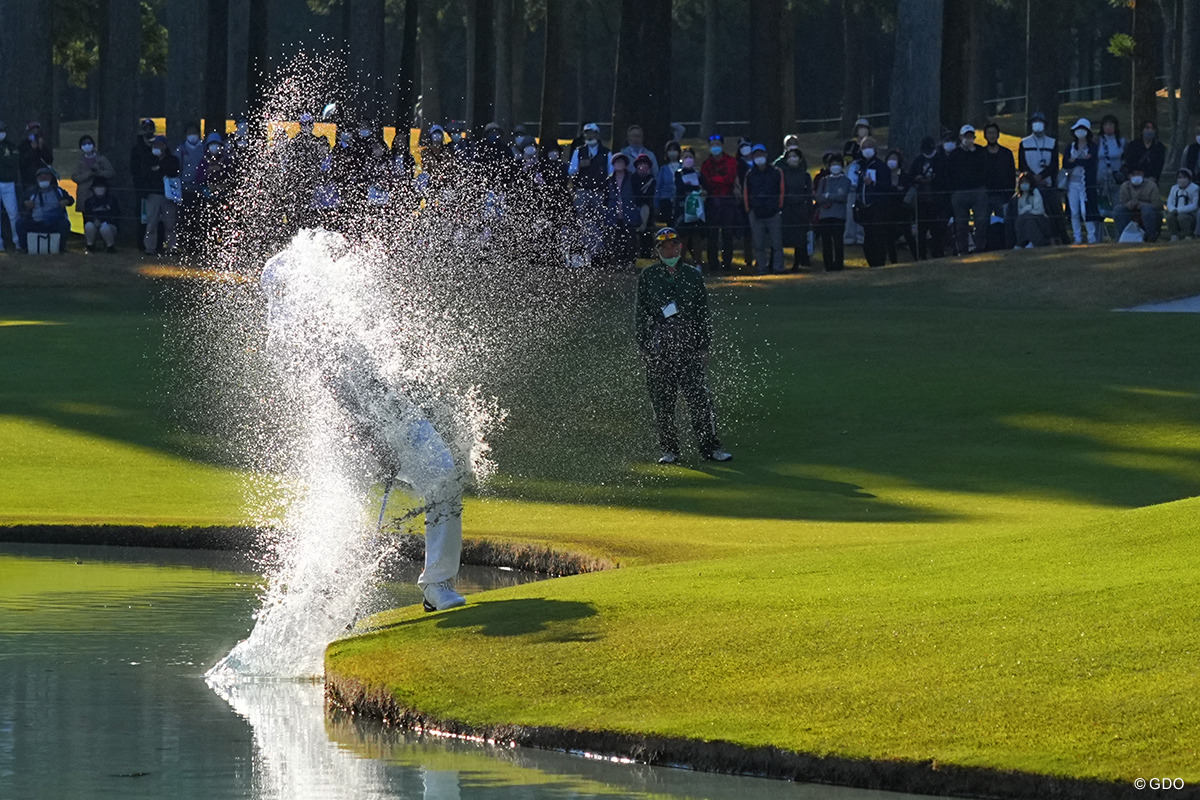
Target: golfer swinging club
[673, 335]
[315, 356]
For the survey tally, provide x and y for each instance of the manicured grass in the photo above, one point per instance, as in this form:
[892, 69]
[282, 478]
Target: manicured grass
[931, 544]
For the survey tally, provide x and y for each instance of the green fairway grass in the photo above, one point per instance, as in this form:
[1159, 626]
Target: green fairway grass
[955, 529]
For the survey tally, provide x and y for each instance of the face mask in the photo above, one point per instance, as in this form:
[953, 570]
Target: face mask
[760, 161]
[156, 151]
[893, 163]
[1025, 187]
[1148, 133]
[619, 166]
[793, 162]
[194, 138]
[100, 191]
[438, 138]
[553, 156]
[1136, 180]
[590, 138]
[1081, 133]
[868, 152]
[33, 137]
[744, 151]
[670, 262]
[88, 148]
[44, 184]
[673, 155]
[835, 169]
[214, 148]
[948, 147]
[364, 133]
[716, 149]
[1038, 127]
[689, 162]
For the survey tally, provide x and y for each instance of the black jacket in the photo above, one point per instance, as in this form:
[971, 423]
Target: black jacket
[150, 176]
[1150, 160]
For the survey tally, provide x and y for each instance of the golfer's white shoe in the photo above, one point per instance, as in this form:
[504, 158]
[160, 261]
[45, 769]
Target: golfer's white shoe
[668, 458]
[440, 596]
[719, 455]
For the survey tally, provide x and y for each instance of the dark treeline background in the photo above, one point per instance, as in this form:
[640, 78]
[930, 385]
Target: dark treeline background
[753, 67]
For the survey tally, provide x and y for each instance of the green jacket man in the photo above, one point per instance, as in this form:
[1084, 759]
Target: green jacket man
[674, 334]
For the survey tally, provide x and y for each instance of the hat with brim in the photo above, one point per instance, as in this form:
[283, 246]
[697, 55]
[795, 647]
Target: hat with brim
[1082, 122]
[591, 126]
[965, 129]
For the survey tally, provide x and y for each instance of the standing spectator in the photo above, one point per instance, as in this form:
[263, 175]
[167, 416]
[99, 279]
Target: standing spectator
[634, 146]
[139, 157]
[1191, 154]
[872, 194]
[674, 334]
[159, 208]
[1140, 198]
[190, 153]
[719, 172]
[91, 165]
[1147, 154]
[900, 211]
[621, 214]
[797, 205]
[214, 175]
[851, 161]
[1111, 151]
[691, 206]
[1031, 227]
[36, 153]
[665, 191]
[745, 163]
[1182, 202]
[762, 198]
[927, 174]
[589, 161]
[1038, 156]
[10, 174]
[833, 192]
[101, 214]
[969, 200]
[46, 205]
[644, 186]
[1081, 162]
[1001, 170]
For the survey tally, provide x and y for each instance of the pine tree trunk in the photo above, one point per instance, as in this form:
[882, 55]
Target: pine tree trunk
[852, 58]
[26, 61]
[915, 105]
[520, 35]
[481, 57]
[956, 57]
[216, 73]
[1144, 106]
[187, 59]
[641, 87]
[1042, 83]
[787, 67]
[1187, 78]
[406, 78]
[431, 79]
[257, 31]
[766, 73]
[552, 67]
[504, 57]
[120, 50]
[365, 42]
[708, 103]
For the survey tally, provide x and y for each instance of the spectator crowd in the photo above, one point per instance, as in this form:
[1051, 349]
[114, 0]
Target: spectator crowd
[601, 206]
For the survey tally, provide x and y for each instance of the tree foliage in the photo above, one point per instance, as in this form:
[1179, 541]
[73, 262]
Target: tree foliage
[77, 26]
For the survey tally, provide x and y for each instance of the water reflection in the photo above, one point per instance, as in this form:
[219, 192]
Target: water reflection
[102, 695]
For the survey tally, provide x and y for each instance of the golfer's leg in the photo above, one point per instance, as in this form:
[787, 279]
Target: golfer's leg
[430, 470]
[694, 384]
[663, 392]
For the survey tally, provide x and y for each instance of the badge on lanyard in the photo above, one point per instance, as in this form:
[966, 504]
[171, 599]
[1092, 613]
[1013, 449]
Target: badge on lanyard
[669, 310]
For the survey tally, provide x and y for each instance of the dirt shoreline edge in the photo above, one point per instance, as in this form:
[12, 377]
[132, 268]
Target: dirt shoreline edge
[350, 696]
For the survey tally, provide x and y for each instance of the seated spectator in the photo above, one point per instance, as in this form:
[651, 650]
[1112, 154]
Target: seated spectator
[1031, 225]
[1182, 202]
[101, 214]
[1139, 199]
[46, 210]
[91, 165]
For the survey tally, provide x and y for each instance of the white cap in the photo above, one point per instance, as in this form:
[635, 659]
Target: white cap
[1082, 122]
[965, 129]
[591, 126]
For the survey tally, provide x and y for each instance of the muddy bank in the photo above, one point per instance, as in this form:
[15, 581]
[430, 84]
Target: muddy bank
[345, 695]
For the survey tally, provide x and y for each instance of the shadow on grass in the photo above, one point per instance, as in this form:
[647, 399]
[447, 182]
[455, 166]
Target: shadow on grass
[520, 617]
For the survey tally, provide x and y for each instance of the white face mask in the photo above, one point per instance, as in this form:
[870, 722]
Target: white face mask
[88, 148]
[364, 132]
[1038, 127]
[1136, 180]
[1025, 187]
[948, 146]
[794, 161]
[1081, 133]
[156, 151]
[745, 151]
[194, 138]
[760, 161]
[868, 152]
[44, 184]
[689, 162]
[100, 191]
[214, 148]
[893, 163]
[553, 155]
[835, 169]
[716, 149]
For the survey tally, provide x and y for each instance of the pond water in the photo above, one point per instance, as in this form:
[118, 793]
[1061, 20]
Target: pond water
[102, 656]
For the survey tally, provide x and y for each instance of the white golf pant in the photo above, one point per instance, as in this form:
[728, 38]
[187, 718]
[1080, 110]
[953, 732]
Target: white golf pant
[428, 467]
[1077, 201]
